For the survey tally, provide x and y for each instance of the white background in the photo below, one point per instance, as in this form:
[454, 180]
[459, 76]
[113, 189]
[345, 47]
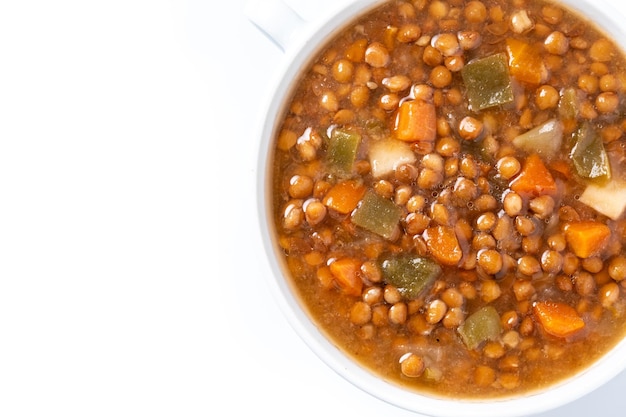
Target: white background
[132, 282]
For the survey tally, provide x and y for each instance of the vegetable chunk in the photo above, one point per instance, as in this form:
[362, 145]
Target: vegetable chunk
[526, 62]
[416, 121]
[344, 196]
[342, 148]
[534, 178]
[487, 82]
[544, 139]
[378, 215]
[587, 238]
[557, 319]
[387, 155]
[346, 273]
[410, 274]
[608, 199]
[443, 245]
[481, 326]
[589, 156]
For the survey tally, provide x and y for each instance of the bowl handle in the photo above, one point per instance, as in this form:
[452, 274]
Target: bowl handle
[277, 20]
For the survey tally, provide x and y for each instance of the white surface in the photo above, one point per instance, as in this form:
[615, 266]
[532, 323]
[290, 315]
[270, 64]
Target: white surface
[131, 279]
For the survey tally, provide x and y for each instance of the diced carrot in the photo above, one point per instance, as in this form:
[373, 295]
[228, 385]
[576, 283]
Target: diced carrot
[534, 178]
[344, 196]
[587, 238]
[557, 318]
[346, 274]
[561, 167]
[526, 62]
[443, 244]
[416, 121]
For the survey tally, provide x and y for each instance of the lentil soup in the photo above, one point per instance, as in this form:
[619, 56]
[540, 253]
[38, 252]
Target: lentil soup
[449, 189]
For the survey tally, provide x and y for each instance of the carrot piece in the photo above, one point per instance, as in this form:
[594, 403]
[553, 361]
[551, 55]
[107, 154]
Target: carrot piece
[557, 319]
[587, 238]
[526, 62]
[416, 121]
[534, 178]
[562, 167]
[344, 196]
[346, 274]
[443, 244]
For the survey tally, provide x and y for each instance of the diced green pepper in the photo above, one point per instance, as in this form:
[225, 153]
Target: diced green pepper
[487, 82]
[342, 149]
[377, 214]
[483, 325]
[588, 155]
[410, 274]
[569, 103]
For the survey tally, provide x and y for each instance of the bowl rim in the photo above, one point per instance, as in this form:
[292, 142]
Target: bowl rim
[314, 37]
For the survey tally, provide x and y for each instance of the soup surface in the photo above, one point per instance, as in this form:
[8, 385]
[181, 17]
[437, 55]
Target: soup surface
[449, 189]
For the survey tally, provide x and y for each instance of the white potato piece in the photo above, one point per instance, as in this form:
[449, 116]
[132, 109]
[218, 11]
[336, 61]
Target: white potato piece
[387, 155]
[608, 199]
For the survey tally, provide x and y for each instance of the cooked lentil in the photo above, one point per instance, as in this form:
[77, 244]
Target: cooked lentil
[488, 208]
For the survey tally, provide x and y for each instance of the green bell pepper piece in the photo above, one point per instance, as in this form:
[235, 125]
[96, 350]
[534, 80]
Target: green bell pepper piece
[588, 155]
[377, 214]
[487, 82]
[342, 149]
[410, 274]
[482, 325]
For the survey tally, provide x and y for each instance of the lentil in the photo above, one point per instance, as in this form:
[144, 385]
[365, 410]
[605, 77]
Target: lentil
[513, 204]
[490, 290]
[490, 261]
[508, 167]
[361, 313]
[607, 102]
[617, 268]
[528, 265]
[452, 297]
[314, 211]
[469, 39]
[510, 319]
[436, 311]
[412, 365]
[453, 318]
[608, 294]
[546, 97]
[470, 128]
[556, 43]
[524, 225]
[551, 261]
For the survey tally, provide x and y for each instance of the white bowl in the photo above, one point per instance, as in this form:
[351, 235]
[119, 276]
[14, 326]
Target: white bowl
[300, 40]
